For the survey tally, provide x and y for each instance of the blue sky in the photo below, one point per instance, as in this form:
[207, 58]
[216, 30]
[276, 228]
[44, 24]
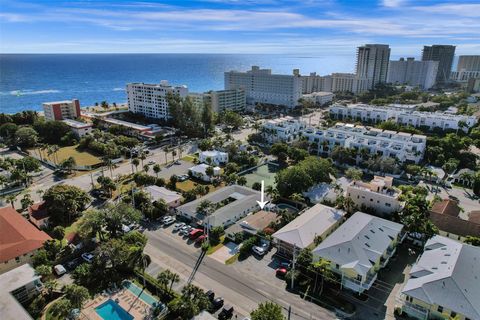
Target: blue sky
[237, 26]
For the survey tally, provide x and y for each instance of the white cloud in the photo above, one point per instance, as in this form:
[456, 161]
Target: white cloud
[393, 3]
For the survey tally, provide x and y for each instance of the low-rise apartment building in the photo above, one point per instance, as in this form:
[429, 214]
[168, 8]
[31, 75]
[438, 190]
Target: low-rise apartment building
[213, 157]
[312, 225]
[444, 282]
[319, 98]
[285, 129]
[172, 199]
[60, 110]
[18, 286]
[229, 204]
[200, 172]
[378, 195]
[359, 248]
[403, 116]
[401, 145]
[19, 239]
[80, 129]
[150, 100]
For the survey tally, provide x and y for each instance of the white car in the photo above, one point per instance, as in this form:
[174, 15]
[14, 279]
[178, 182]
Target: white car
[261, 249]
[185, 230]
[168, 221]
[178, 226]
[88, 257]
[59, 269]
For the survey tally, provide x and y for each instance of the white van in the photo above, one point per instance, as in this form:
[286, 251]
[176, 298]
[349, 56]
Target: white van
[59, 269]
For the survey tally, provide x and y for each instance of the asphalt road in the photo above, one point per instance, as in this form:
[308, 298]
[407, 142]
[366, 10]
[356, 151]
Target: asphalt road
[244, 291]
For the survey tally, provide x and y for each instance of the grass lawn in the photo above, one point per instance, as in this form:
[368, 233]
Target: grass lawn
[218, 246]
[189, 184]
[73, 227]
[232, 259]
[82, 158]
[189, 158]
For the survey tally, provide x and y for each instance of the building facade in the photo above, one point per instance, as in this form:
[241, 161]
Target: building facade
[150, 100]
[213, 157]
[403, 146]
[316, 83]
[469, 63]
[421, 74]
[319, 98]
[404, 116]
[372, 63]
[79, 128]
[221, 100]
[60, 110]
[262, 86]
[284, 129]
[444, 54]
[378, 195]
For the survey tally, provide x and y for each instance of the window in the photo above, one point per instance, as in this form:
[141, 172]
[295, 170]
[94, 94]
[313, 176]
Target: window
[453, 314]
[440, 309]
[388, 204]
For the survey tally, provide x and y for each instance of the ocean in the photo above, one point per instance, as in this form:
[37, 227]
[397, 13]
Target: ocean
[27, 80]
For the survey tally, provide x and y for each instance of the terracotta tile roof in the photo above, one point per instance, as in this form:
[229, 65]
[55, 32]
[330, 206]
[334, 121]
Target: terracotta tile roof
[17, 235]
[447, 207]
[38, 211]
[455, 225]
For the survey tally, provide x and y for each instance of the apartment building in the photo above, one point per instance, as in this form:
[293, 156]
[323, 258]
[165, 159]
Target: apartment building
[316, 83]
[359, 248]
[444, 54]
[464, 75]
[213, 157]
[60, 110]
[150, 100]
[372, 63]
[262, 86]
[319, 98]
[221, 100]
[18, 286]
[404, 116]
[79, 128]
[19, 239]
[444, 282]
[470, 63]
[421, 74]
[401, 145]
[285, 129]
[378, 195]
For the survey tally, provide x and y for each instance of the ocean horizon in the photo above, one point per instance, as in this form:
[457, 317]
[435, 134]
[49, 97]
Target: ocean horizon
[28, 80]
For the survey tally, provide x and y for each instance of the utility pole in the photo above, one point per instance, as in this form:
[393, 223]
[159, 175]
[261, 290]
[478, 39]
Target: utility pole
[289, 311]
[91, 178]
[294, 259]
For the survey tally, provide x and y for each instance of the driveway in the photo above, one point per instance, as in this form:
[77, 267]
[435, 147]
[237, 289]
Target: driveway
[225, 252]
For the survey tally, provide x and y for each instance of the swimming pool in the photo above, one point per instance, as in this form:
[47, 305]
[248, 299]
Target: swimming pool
[138, 291]
[110, 310]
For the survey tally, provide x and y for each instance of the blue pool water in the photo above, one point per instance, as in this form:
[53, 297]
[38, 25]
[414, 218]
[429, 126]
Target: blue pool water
[110, 310]
[136, 291]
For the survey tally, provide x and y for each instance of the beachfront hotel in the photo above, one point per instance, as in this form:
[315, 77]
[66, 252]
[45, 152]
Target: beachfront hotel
[150, 100]
[60, 110]
[263, 86]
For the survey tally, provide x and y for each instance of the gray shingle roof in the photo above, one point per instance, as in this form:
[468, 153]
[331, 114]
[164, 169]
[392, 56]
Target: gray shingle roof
[359, 242]
[447, 274]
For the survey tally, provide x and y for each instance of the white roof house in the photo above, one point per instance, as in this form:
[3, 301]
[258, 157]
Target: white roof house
[359, 243]
[200, 171]
[157, 193]
[216, 157]
[447, 274]
[316, 221]
[233, 202]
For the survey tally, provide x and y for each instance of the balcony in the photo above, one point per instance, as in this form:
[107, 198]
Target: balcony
[414, 310]
[358, 286]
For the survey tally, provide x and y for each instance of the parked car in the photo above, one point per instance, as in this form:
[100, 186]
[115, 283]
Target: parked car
[195, 233]
[168, 221]
[178, 226]
[184, 231]
[210, 294]
[201, 239]
[59, 269]
[88, 257]
[226, 313]
[217, 303]
[286, 264]
[183, 177]
[281, 272]
[151, 162]
[261, 249]
[71, 265]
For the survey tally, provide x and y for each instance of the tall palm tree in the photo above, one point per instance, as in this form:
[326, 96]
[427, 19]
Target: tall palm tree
[297, 198]
[165, 150]
[11, 199]
[322, 269]
[142, 156]
[170, 277]
[174, 153]
[135, 162]
[157, 169]
[141, 261]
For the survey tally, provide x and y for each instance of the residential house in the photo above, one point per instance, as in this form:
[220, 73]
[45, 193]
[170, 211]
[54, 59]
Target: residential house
[19, 239]
[200, 172]
[312, 225]
[251, 224]
[229, 204]
[38, 215]
[213, 157]
[359, 248]
[444, 282]
[378, 195]
[19, 286]
[445, 215]
[172, 199]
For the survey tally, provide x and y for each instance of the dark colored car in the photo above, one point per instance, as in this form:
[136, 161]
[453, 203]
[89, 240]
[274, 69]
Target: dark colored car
[71, 265]
[210, 294]
[217, 303]
[281, 272]
[201, 239]
[226, 313]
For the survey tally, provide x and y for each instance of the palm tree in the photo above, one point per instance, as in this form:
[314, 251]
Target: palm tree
[141, 261]
[256, 126]
[146, 168]
[297, 198]
[174, 153]
[165, 150]
[157, 169]
[163, 279]
[241, 181]
[322, 269]
[135, 162]
[168, 276]
[11, 199]
[142, 156]
[272, 192]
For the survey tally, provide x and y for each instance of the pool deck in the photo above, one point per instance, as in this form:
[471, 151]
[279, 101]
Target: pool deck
[126, 299]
